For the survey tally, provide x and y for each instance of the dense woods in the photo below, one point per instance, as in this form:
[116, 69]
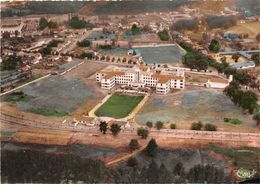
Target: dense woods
[28, 166]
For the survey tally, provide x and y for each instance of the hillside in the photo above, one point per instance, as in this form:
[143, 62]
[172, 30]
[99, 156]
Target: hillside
[130, 7]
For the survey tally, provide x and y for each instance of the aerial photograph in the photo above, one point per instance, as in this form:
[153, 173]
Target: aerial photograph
[130, 91]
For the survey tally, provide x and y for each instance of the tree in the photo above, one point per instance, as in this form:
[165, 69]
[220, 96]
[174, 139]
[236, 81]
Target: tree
[173, 126]
[210, 127]
[11, 63]
[149, 124]
[52, 25]
[142, 133]
[76, 23]
[159, 125]
[84, 43]
[88, 55]
[178, 169]
[115, 129]
[256, 58]
[258, 37]
[43, 23]
[103, 127]
[133, 144]
[214, 45]
[131, 162]
[135, 29]
[196, 126]
[151, 147]
[164, 35]
[235, 57]
[257, 118]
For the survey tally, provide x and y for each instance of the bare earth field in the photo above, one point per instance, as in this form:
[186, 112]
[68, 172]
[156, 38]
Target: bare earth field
[192, 106]
[252, 28]
[73, 92]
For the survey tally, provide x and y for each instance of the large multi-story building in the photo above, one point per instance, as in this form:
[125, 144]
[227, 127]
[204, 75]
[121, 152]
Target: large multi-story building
[162, 80]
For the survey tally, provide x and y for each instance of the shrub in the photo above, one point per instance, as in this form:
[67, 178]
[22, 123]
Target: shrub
[210, 127]
[196, 126]
[149, 124]
[159, 125]
[173, 126]
[133, 144]
[142, 132]
[164, 35]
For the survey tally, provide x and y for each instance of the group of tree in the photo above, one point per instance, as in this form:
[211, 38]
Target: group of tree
[199, 126]
[142, 132]
[245, 99]
[43, 23]
[185, 24]
[27, 166]
[136, 172]
[47, 50]
[164, 35]
[214, 22]
[105, 47]
[114, 128]
[76, 23]
[12, 62]
[196, 60]
[88, 55]
[84, 43]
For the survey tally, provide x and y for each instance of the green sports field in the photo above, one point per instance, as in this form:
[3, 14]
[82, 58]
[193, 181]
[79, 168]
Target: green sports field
[119, 106]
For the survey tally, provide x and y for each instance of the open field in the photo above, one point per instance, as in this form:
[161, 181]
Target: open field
[118, 106]
[252, 28]
[38, 136]
[192, 106]
[192, 77]
[55, 94]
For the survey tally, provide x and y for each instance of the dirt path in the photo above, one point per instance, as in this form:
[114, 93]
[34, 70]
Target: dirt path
[125, 157]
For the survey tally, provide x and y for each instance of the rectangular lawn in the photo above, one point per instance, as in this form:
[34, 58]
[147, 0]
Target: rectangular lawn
[118, 106]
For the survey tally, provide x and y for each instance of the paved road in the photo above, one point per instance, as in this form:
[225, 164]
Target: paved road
[164, 133]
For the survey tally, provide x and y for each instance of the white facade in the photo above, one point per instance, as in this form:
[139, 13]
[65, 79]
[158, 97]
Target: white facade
[142, 77]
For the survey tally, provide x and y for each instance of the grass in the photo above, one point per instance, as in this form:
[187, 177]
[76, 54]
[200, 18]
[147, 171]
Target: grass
[232, 121]
[48, 112]
[118, 106]
[7, 133]
[16, 97]
[245, 157]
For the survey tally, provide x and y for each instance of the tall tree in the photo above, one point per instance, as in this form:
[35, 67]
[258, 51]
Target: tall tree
[151, 147]
[115, 129]
[214, 45]
[103, 127]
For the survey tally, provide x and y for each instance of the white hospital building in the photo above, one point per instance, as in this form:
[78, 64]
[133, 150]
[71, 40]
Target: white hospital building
[142, 76]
